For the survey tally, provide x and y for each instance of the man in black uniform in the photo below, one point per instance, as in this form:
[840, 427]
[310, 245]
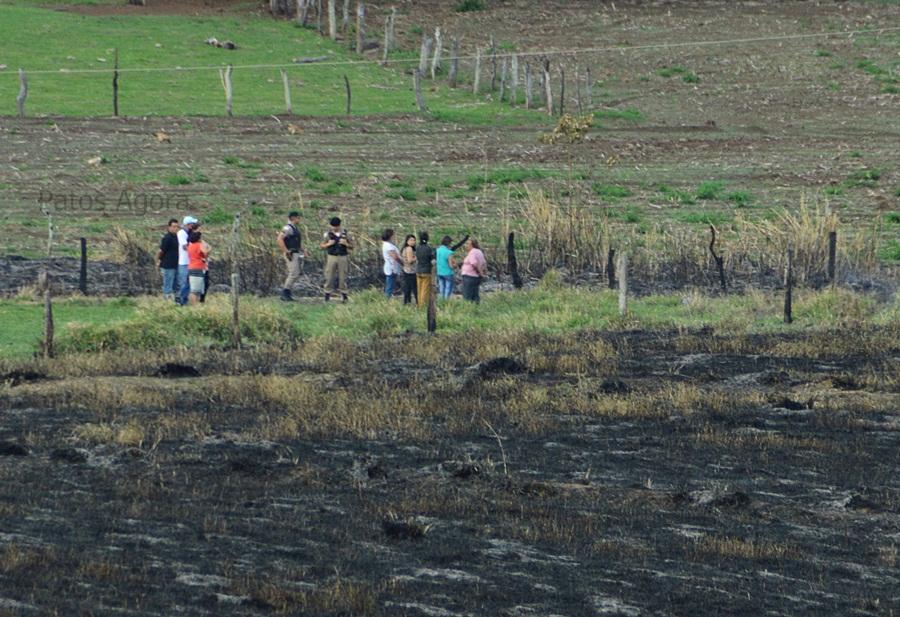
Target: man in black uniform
[289, 243]
[337, 244]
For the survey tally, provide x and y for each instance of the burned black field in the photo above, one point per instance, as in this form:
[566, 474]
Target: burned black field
[634, 473]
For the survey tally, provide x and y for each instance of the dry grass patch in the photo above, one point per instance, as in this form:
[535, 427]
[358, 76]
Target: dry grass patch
[731, 547]
[758, 439]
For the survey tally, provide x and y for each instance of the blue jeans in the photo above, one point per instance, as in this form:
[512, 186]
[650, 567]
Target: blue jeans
[168, 276]
[184, 286]
[445, 286]
[390, 282]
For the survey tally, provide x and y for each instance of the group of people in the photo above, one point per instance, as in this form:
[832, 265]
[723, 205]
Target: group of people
[183, 259]
[414, 266]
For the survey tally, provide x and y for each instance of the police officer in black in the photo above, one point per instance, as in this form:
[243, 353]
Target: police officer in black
[289, 243]
[337, 243]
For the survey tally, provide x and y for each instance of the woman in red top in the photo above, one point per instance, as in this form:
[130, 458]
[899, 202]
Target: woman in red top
[198, 255]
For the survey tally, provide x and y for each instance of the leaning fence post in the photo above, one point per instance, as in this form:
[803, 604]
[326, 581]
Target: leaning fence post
[562, 91]
[417, 85]
[225, 76]
[23, 93]
[82, 275]
[503, 74]
[623, 284]
[287, 92]
[347, 87]
[493, 64]
[589, 90]
[832, 255]
[789, 285]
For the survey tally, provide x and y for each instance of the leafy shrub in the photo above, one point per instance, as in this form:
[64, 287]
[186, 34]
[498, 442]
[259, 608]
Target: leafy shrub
[314, 174]
[610, 191]
[465, 6]
[219, 216]
[710, 189]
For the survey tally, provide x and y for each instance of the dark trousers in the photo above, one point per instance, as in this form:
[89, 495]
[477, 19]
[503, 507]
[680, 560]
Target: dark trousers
[409, 288]
[470, 285]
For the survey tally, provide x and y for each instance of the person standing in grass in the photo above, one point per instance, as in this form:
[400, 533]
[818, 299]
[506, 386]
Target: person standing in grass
[187, 226]
[474, 269]
[392, 264]
[289, 243]
[408, 257]
[445, 265]
[167, 259]
[337, 243]
[198, 251]
[424, 270]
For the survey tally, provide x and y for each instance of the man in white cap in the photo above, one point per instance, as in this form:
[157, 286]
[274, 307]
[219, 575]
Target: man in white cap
[188, 225]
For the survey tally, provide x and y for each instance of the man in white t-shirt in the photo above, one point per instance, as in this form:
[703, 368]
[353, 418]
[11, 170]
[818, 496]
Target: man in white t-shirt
[392, 263]
[187, 226]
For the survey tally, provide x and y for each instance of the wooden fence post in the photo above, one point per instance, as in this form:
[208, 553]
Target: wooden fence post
[589, 90]
[476, 79]
[719, 259]
[504, 66]
[436, 60]
[235, 282]
[431, 318]
[287, 92]
[611, 268]
[547, 88]
[417, 86]
[562, 91]
[512, 262]
[345, 17]
[82, 274]
[225, 76]
[789, 285]
[360, 27]
[578, 102]
[528, 85]
[514, 79]
[319, 16]
[115, 85]
[44, 283]
[425, 53]
[832, 256]
[493, 64]
[388, 25]
[332, 20]
[23, 93]
[347, 86]
[454, 62]
[623, 283]
[303, 12]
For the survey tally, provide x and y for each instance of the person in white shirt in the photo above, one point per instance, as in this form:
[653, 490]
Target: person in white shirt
[392, 263]
[188, 225]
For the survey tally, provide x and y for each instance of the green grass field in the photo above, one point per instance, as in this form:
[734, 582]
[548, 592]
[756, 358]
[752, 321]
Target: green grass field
[48, 43]
[551, 308]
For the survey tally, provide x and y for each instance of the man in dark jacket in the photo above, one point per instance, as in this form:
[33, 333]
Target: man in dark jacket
[424, 277]
[167, 259]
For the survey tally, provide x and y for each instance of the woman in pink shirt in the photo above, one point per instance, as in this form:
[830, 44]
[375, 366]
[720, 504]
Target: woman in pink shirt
[474, 269]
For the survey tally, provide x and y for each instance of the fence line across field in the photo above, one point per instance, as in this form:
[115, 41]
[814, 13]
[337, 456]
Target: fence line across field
[499, 55]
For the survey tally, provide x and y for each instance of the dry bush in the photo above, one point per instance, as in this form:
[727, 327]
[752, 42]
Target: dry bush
[567, 236]
[138, 264]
